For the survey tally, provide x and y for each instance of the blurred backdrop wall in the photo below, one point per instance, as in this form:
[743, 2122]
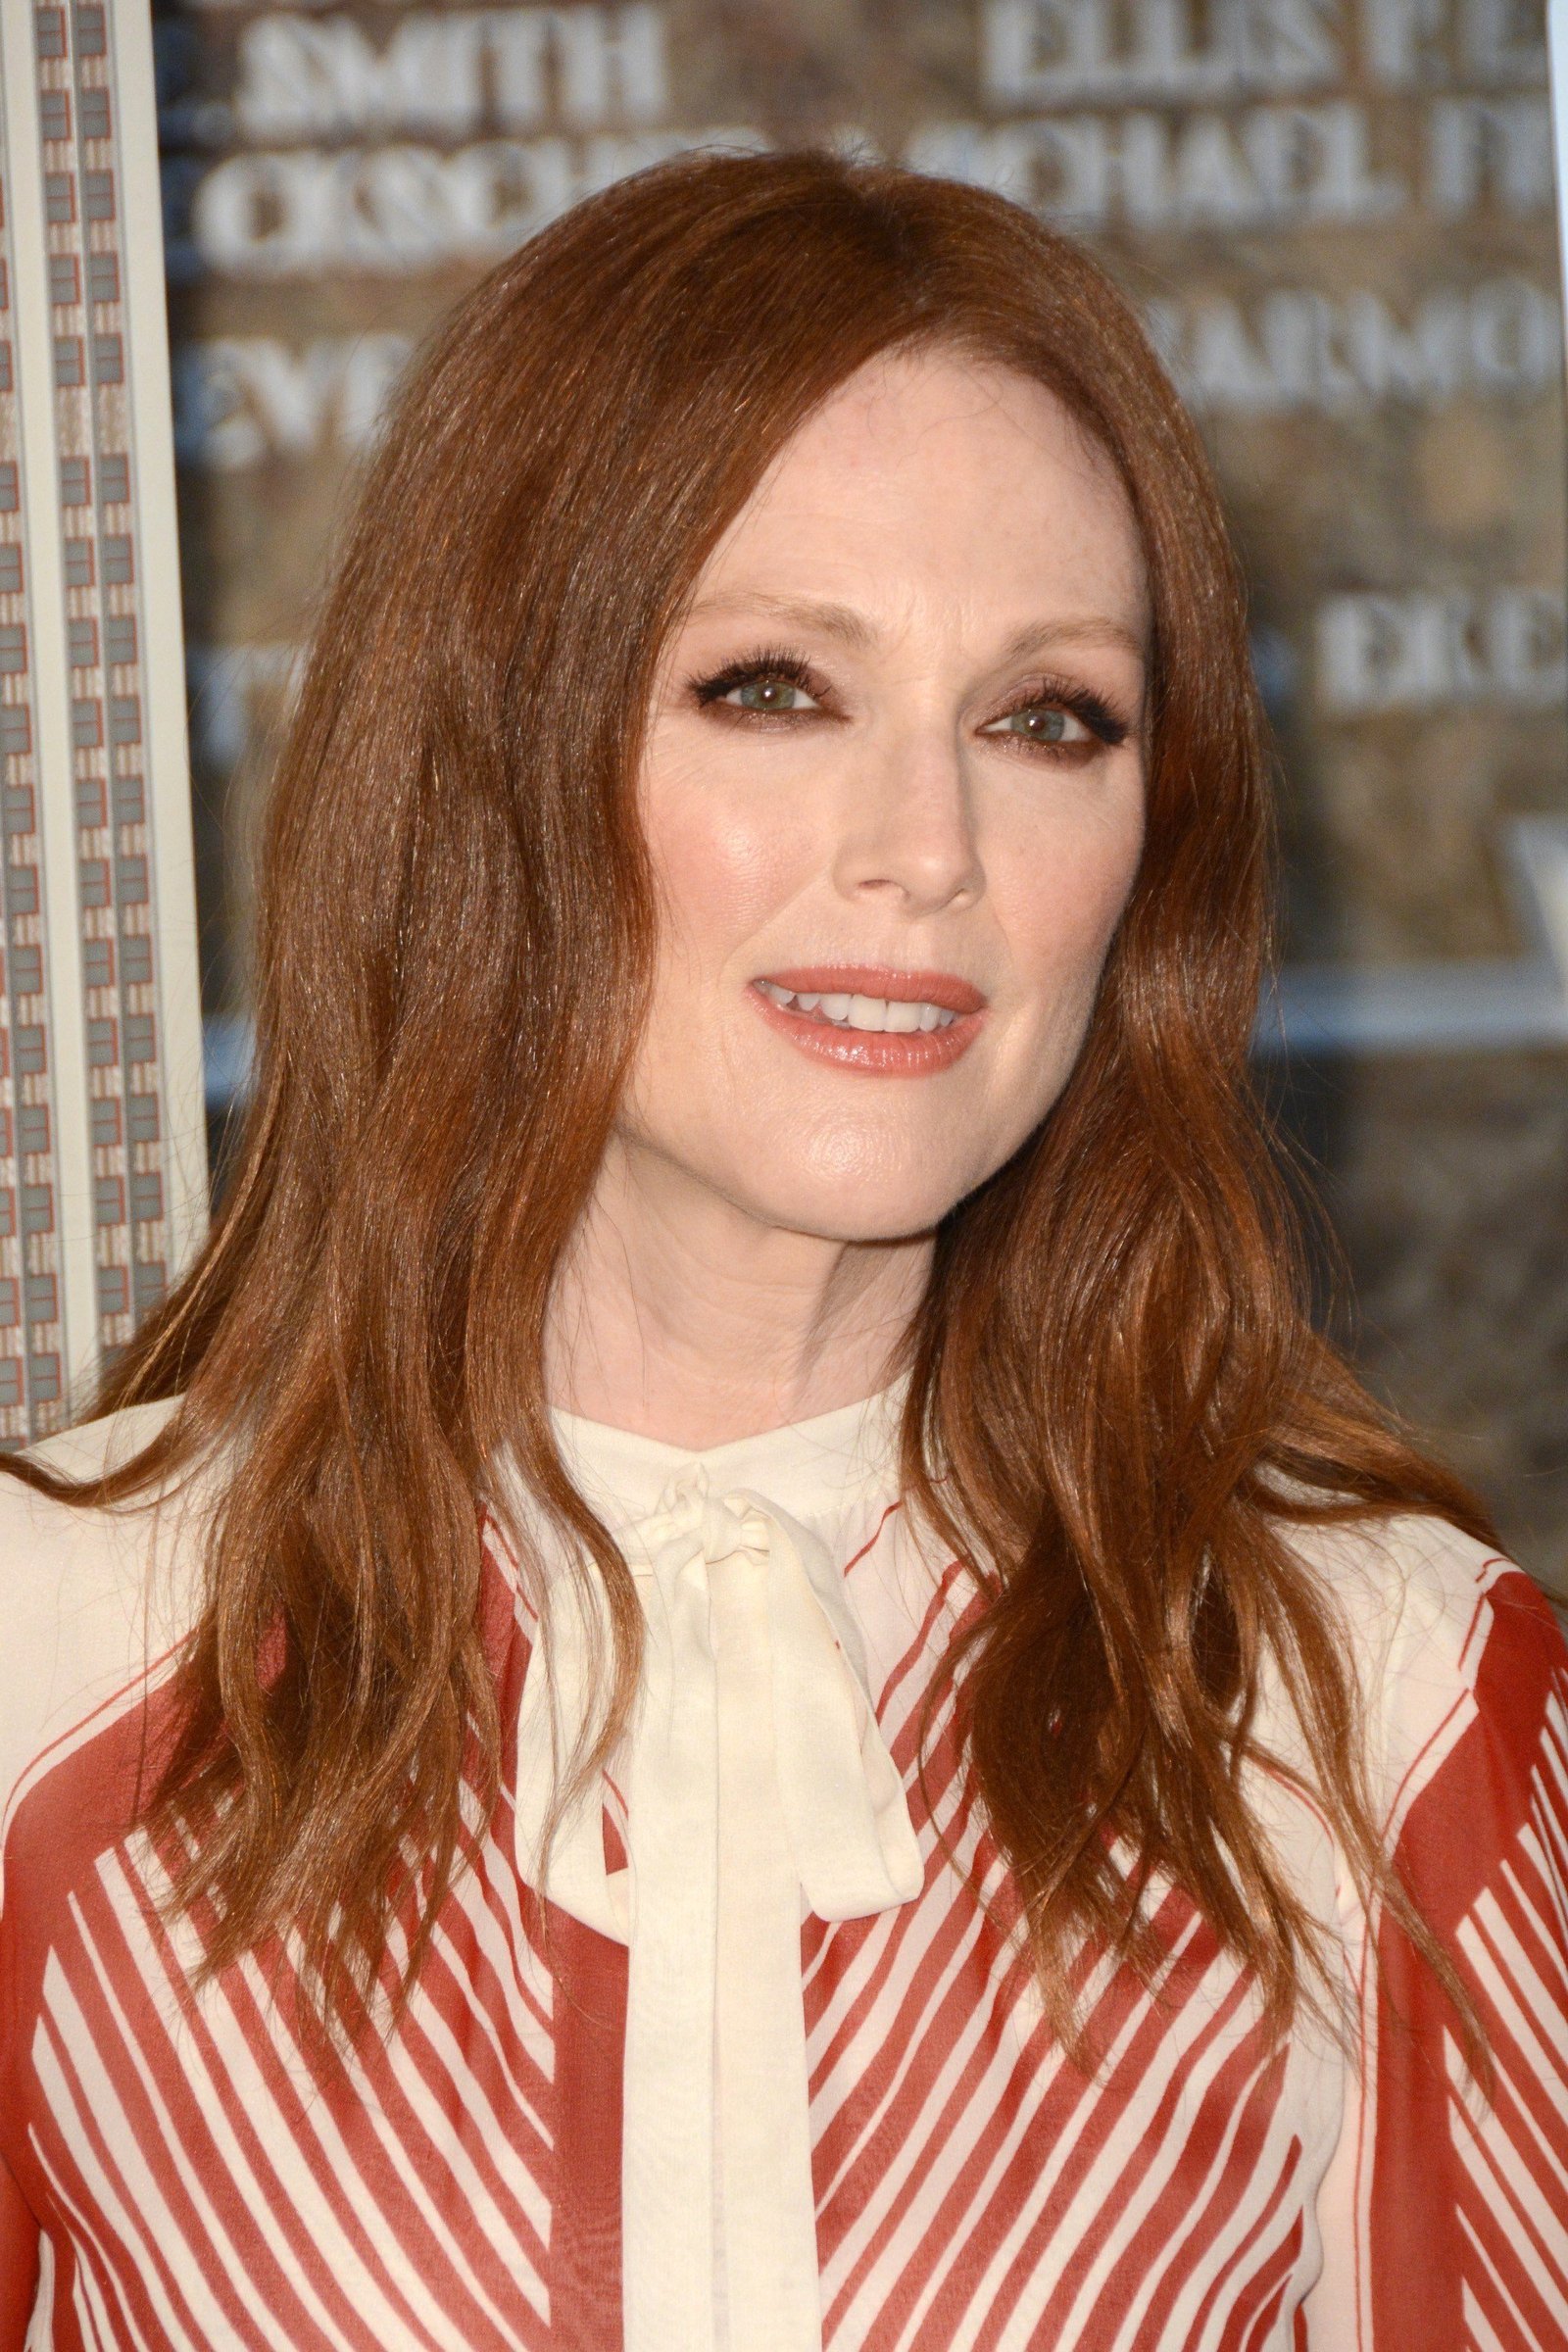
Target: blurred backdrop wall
[1338, 219]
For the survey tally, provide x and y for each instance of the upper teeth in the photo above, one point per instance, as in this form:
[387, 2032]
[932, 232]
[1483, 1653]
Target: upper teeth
[861, 1012]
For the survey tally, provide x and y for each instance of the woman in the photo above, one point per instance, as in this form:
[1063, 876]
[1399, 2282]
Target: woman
[776, 1696]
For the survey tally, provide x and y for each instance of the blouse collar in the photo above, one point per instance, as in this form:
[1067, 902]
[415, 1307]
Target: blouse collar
[827, 1470]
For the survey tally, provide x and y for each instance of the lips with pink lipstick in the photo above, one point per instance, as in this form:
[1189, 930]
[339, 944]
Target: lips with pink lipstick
[869, 1017]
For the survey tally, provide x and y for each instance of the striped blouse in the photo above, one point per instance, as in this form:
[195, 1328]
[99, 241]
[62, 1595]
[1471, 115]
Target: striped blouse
[750, 2066]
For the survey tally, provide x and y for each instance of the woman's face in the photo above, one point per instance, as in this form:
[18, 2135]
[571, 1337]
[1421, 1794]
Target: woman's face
[893, 789]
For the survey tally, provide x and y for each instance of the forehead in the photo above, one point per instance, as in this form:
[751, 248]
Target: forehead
[944, 477]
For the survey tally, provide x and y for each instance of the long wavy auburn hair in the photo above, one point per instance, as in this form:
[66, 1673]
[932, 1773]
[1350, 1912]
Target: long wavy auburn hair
[1118, 1408]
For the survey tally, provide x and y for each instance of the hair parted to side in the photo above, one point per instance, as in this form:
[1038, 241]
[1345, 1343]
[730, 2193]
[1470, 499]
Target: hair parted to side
[1119, 1405]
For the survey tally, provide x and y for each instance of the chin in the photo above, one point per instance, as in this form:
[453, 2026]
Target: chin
[858, 1209]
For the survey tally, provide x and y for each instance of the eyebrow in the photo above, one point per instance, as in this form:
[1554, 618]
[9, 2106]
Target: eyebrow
[852, 628]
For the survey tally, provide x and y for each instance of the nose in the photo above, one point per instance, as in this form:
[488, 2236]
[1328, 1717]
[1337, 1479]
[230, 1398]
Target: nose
[906, 823]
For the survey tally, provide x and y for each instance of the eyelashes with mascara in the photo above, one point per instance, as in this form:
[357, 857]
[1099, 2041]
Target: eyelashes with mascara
[792, 668]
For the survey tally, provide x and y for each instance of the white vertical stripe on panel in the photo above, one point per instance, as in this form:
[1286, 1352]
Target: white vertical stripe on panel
[33, 359]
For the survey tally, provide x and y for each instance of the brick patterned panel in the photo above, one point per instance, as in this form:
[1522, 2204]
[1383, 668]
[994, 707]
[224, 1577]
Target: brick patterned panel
[77, 108]
[102, 1184]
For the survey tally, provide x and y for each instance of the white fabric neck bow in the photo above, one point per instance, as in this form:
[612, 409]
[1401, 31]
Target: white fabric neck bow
[756, 1772]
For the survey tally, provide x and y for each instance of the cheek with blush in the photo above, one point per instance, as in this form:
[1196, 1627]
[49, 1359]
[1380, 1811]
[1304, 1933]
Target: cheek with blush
[1061, 893]
[722, 870]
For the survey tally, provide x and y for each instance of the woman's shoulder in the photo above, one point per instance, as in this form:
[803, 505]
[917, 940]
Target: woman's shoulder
[1403, 1574]
[1450, 1638]
[1412, 1586]
[91, 1596]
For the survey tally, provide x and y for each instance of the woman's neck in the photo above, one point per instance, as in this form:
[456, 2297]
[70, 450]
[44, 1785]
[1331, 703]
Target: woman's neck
[679, 1316]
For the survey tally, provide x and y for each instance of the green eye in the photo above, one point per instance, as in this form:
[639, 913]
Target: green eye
[1039, 723]
[769, 694]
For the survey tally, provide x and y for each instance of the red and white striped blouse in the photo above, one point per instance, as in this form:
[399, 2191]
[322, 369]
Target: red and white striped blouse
[778, 2009]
